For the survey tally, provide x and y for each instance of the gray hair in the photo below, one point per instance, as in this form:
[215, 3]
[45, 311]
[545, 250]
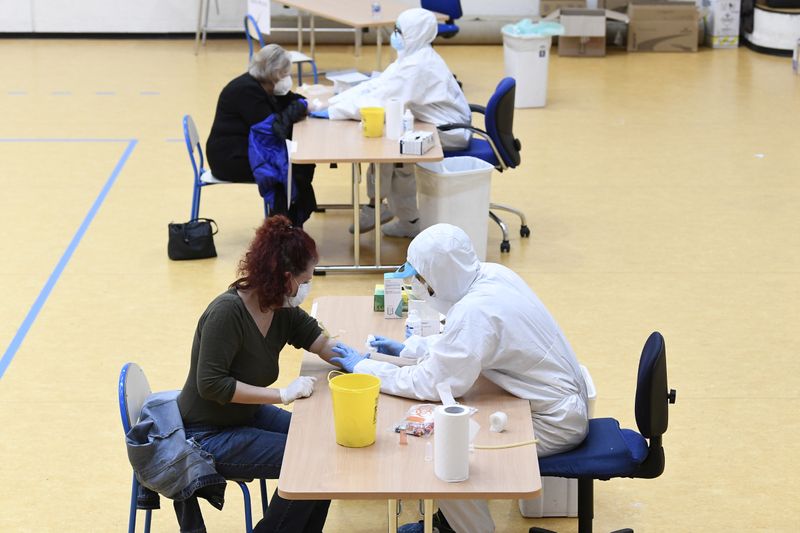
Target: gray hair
[270, 64]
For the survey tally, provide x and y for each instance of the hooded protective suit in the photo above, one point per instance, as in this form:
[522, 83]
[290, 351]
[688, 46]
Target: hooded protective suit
[496, 327]
[419, 78]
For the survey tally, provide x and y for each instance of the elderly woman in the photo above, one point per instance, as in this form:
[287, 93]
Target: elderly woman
[228, 401]
[249, 99]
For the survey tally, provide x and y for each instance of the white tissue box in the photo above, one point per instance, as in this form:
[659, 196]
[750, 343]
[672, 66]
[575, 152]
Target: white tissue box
[416, 142]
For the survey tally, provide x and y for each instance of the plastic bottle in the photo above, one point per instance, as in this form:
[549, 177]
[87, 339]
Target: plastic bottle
[413, 323]
[408, 121]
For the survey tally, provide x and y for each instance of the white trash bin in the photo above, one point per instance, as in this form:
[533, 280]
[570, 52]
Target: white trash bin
[456, 191]
[526, 58]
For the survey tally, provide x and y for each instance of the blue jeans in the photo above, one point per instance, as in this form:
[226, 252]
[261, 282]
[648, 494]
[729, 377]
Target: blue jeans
[254, 451]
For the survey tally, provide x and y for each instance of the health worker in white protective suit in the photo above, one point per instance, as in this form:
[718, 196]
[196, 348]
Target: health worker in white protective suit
[495, 327]
[420, 79]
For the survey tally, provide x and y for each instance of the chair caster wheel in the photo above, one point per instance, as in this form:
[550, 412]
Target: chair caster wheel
[505, 246]
[524, 231]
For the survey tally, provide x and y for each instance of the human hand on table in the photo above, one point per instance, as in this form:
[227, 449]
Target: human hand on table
[387, 346]
[301, 387]
[348, 357]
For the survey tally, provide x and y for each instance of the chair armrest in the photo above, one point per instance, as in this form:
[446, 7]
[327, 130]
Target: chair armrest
[457, 126]
[475, 108]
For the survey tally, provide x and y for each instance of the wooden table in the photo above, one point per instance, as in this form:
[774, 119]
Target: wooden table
[315, 467]
[342, 141]
[355, 13]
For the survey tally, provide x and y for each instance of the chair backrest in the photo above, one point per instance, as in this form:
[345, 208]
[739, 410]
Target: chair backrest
[133, 390]
[192, 139]
[451, 8]
[499, 121]
[652, 402]
[252, 33]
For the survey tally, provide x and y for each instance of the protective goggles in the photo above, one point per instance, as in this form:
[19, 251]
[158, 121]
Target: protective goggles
[407, 271]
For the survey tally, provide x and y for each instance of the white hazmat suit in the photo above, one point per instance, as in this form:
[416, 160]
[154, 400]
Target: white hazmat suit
[421, 80]
[496, 327]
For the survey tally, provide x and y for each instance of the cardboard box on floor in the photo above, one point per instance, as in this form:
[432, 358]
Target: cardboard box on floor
[584, 31]
[658, 26]
[722, 23]
[548, 6]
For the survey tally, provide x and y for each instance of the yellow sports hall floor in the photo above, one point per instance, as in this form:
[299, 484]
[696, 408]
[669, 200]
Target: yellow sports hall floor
[662, 191]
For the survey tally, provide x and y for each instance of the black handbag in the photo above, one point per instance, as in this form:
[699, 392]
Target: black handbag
[192, 240]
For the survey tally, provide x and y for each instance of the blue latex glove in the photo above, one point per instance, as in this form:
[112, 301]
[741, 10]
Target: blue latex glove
[348, 357]
[322, 113]
[387, 346]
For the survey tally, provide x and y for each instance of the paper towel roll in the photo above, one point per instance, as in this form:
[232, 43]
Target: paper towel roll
[451, 442]
[394, 118]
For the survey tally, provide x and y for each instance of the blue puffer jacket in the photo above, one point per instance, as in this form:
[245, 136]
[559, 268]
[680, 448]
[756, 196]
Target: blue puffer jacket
[269, 160]
[164, 461]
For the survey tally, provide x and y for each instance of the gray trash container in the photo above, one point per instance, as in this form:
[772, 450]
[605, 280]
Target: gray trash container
[456, 190]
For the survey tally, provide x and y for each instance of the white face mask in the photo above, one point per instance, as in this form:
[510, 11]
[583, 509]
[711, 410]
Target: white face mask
[283, 86]
[302, 291]
[418, 290]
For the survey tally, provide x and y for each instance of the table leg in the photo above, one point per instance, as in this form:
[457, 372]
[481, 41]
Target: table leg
[312, 38]
[378, 40]
[393, 511]
[428, 525]
[205, 21]
[299, 31]
[199, 26]
[378, 203]
[356, 209]
[358, 41]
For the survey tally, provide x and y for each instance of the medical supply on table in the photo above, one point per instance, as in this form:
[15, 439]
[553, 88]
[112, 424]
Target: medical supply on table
[370, 348]
[418, 420]
[428, 452]
[413, 323]
[376, 10]
[394, 118]
[392, 295]
[345, 79]
[377, 298]
[408, 121]
[451, 443]
[372, 119]
[430, 322]
[498, 421]
[355, 408]
[416, 142]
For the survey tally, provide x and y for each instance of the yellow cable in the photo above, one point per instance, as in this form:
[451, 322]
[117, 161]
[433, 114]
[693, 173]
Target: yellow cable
[501, 446]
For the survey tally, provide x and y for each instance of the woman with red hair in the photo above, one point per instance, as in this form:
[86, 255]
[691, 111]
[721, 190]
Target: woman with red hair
[227, 403]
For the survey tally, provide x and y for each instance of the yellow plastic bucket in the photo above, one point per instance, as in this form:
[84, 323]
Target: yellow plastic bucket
[355, 408]
[372, 118]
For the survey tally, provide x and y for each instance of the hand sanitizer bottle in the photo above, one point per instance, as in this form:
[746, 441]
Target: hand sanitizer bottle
[408, 121]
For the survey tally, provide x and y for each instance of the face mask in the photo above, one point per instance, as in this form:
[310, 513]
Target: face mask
[283, 86]
[302, 291]
[397, 42]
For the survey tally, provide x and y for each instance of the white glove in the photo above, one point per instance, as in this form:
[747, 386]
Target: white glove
[302, 387]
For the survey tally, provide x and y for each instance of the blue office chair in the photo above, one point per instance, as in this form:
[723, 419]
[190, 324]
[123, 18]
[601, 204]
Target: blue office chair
[253, 33]
[202, 176]
[132, 391]
[451, 8]
[608, 451]
[496, 145]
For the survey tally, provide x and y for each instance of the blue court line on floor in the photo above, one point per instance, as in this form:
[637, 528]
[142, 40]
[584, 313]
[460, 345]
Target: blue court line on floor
[105, 93]
[61, 93]
[30, 318]
[149, 93]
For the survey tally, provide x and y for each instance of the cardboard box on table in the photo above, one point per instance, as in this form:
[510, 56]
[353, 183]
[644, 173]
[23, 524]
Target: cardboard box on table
[659, 26]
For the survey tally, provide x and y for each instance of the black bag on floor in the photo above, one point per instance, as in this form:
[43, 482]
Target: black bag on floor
[192, 240]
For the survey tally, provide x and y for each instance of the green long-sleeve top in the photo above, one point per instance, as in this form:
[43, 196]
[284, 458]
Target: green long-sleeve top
[227, 347]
